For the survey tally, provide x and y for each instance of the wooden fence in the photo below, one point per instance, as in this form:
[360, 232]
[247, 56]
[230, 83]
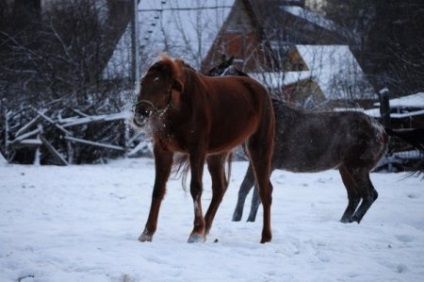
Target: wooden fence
[33, 134]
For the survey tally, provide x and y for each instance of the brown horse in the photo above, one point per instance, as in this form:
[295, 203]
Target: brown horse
[351, 142]
[199, 116]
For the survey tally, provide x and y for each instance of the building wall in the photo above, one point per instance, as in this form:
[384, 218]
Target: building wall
[240, 37]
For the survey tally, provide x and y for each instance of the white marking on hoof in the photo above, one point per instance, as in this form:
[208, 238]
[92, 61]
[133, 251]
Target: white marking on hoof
[196, 238]
[144, 237]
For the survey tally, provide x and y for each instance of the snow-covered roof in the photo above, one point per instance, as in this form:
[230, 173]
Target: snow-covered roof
[181, 28]
[336, 71]
[279, 79]
[311, 17]
[332, 67]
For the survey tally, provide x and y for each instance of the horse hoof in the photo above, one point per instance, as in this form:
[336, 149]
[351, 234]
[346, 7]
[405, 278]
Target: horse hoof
[345, 220]
[144, 237]
[236, 217]
[355, 219]
[266, 239]
[263, 240]
[196, 238]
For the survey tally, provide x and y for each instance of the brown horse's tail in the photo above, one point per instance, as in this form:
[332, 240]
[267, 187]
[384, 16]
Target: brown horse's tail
[182, 167]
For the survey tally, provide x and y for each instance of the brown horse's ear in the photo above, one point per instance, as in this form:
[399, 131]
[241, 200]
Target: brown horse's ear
[177, 88]
[177, 85]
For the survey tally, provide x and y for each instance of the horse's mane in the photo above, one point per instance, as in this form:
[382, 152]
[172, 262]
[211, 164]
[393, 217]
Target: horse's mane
[167, 62]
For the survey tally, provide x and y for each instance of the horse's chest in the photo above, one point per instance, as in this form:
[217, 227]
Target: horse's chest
[172, 139]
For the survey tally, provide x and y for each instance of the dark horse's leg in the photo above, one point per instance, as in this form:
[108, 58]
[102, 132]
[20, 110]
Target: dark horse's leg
[359, 186]
[256, 201]
[246, 186]
[197, 161]
[260, 158]
[254, 205]
[163, 165]
[367, 192]
[216, 166]
[352, 194]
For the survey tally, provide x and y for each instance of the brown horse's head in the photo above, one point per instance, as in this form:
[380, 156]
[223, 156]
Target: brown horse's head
[159, 88]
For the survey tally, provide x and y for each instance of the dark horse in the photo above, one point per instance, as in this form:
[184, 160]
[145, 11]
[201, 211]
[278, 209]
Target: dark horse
[200, 116]
[351, 142]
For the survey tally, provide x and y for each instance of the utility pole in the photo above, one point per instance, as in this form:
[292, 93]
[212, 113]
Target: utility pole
[135, 54]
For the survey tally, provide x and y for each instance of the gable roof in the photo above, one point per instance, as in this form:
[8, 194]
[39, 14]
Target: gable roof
[336, 71]
[312, 17]
[290, 22]
[333, 68]
[182, 28]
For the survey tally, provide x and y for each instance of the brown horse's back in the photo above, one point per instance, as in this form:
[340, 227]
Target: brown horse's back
[229, 108]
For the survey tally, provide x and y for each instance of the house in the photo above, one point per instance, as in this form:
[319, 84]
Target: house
[300, 56]
[181, 28]
[326, 76]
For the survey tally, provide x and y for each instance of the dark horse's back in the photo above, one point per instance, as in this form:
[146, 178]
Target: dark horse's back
[317, 141]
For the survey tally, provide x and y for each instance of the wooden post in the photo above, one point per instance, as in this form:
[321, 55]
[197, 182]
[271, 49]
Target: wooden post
[37, 157]
[385, 118]
[135, 56]
[6, 129]
[385, 107]
[53, 151]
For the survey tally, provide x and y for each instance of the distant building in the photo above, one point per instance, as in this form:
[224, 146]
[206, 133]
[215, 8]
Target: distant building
[185, 29]
[325, 76]
[300, 56]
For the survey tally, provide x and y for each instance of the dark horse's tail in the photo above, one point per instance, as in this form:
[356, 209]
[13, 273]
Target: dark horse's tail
[414, 137]
[182, 167]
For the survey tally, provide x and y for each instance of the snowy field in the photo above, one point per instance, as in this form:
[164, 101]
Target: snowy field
[81, 223]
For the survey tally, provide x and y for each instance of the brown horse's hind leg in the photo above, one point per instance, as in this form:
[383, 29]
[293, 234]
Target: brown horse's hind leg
[163, 164]
[352, 194]
[197, 162]
[260, 158]
[246, 186]
[367, 192]
[216, 166]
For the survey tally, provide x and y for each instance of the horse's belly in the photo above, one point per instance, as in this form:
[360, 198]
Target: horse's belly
[227, 136]
[303, 163]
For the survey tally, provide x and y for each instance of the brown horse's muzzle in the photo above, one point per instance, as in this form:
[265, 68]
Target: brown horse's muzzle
[143, 110]
[140, 120]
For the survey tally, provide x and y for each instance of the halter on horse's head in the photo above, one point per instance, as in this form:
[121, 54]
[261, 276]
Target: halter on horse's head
[157, 88]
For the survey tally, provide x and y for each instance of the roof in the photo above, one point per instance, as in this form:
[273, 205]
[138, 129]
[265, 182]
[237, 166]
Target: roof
[336, 71]
[182, 28]
[332, 67]
[279, 79]
[311, 17]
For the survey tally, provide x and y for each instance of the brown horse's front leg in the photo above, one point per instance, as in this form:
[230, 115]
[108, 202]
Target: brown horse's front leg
[163, 165]
[197, 162]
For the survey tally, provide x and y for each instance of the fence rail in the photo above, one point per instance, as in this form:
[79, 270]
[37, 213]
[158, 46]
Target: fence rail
[59, 137]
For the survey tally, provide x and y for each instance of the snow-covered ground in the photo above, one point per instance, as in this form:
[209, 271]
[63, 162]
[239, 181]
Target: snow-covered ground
[81, 223]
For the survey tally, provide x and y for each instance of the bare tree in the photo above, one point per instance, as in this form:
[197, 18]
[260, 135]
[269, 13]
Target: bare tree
[52, 66]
